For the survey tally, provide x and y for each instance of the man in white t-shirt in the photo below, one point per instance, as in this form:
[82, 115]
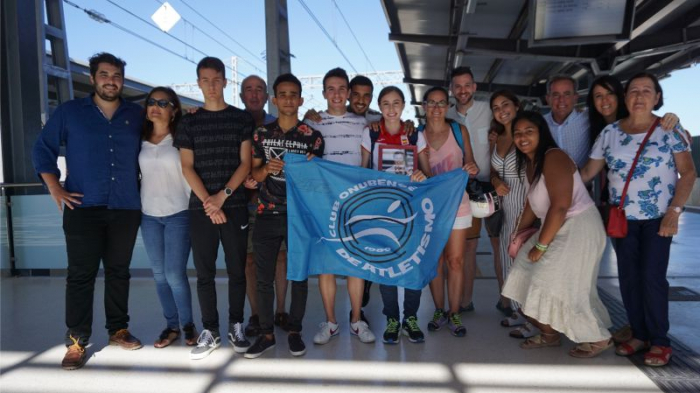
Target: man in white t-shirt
[476, 117]
[342, 133]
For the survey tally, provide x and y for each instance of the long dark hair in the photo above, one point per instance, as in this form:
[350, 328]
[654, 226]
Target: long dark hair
[596, 120]
[546, 142]
[147, 128]
[509, 95]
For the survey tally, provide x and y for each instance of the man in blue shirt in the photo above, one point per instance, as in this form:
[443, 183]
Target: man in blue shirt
[101, 135]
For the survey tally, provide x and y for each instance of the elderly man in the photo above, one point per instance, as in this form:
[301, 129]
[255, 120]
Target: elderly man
[569, 127]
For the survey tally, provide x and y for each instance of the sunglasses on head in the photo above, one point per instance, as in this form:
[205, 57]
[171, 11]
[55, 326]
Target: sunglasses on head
[160, 103]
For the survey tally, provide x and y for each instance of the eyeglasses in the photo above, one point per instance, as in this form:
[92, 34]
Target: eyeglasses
[160, 103]
[433, 104]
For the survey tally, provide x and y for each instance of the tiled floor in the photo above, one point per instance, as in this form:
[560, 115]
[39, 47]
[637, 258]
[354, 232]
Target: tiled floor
[486, 360]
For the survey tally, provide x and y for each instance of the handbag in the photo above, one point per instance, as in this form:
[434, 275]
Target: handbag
[617, 219]
[519, 237]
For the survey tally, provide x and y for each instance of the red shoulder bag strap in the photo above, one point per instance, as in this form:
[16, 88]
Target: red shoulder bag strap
[634, 163]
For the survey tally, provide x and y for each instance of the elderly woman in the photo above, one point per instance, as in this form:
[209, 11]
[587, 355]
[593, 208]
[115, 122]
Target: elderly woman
[654, 202]
[555, 272]
[165, 225]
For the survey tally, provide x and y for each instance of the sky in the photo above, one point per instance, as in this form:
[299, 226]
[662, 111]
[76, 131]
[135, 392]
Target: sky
[244, 21]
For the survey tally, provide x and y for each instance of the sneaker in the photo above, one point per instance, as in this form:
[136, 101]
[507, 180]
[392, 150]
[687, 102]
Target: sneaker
[455, 325]
[439, 320]
[125, 340]
[361, 330]
[261, 345]
[282, 320]
[362, 316]
[391, 333]
[296, 344]
[206, 343]
[468, 308]
[253, 327]
[410, 328]
[75, 356]
[326, 331]
[237, 338]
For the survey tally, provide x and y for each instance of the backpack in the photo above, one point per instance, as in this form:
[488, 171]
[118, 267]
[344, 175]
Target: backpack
[374, 136]
[456, 131]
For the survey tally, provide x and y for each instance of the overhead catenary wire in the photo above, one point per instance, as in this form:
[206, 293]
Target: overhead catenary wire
[170, 35]
[217, 41]
[354, 36]
[323, 29]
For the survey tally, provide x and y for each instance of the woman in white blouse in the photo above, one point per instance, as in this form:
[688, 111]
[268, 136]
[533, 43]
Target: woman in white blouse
[165, 226]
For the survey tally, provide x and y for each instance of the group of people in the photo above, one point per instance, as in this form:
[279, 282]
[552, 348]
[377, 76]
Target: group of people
[191, 181]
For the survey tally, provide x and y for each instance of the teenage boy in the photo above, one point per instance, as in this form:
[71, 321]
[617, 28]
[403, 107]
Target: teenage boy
[102, 134]
[342, 133]
[215, 151]
[270, 143]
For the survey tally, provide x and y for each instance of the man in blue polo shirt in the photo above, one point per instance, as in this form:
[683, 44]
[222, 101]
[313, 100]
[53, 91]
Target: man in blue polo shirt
[101, 135]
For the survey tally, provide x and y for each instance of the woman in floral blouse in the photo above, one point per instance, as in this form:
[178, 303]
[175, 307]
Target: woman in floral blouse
[654, 202]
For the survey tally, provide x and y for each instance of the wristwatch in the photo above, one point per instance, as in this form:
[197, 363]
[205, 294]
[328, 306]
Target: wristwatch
[676, 209]
[228, 192]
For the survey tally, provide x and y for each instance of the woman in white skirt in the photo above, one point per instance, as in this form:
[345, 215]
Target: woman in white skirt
[554, 274]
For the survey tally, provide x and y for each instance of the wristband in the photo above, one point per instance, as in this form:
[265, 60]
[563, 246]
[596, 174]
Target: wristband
[541, 247]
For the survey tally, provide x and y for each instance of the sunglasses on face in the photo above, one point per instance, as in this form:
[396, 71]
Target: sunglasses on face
[160, 103]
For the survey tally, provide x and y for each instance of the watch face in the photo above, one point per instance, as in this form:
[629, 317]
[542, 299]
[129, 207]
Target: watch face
[228, 191]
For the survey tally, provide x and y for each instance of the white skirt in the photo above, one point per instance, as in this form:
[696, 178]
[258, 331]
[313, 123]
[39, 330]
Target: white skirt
[560, 289]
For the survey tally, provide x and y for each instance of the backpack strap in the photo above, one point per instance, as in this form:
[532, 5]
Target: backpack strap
[457, 131]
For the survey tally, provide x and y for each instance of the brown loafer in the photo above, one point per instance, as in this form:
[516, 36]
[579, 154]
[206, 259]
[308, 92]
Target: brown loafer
[167, 336]
[125, 340]
[75, 357]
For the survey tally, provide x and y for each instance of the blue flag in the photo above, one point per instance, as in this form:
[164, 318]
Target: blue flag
[369, 224]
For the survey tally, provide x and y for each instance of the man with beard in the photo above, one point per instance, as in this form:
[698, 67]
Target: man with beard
[102, 137]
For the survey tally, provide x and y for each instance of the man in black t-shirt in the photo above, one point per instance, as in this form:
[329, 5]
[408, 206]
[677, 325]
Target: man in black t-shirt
[215, 151]
[270, 144]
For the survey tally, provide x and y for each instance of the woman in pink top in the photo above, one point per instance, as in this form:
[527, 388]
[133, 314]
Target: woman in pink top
[554, 274]
[446, 155]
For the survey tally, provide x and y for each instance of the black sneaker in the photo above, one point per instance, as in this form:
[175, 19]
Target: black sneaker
[253, 327]
[410, 328]
[237, 338]
[261, 345]
[362, 317]
[296, 344]
[391, 333]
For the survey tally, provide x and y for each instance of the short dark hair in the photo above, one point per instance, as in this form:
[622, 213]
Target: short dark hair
[657, 86]
[104, 57]
[461, 70]
[147, 128]
[546, 142]
[509, 95]
[361, 80]
[388, 90]
[561, 77]
[336, 73]
[595, 119]
[288, 77]
[434, 89]
[213, 63]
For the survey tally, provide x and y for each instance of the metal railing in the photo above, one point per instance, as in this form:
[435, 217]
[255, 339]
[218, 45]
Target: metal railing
[8, 218]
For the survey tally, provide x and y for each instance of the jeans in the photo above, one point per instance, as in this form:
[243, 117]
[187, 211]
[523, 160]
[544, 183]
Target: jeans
[642, 261]
[167, 242]
[390, 298]
[205, 237]
[95, 234]
[269, 232]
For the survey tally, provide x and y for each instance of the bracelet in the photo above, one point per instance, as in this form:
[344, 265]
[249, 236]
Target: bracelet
[541, 247]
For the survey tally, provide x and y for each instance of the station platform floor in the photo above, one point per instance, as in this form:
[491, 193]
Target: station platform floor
[486, 360]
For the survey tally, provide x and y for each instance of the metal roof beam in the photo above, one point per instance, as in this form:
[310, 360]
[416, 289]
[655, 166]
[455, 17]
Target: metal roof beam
[425, 39]
[521, 90]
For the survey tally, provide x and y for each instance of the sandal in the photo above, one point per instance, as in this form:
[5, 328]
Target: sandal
[538, 341]
[590, 350]
[627, 349]
[660, 359]
[167, 336]
[190, 334]
[505, 310]
[516, 319]
[623, 334]
[526, 331]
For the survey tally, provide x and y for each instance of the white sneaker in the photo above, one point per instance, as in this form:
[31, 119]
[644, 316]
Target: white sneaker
[326, 331]
[361, 330]
[206, 343]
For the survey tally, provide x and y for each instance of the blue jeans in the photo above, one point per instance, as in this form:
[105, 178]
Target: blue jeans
[167, 242]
